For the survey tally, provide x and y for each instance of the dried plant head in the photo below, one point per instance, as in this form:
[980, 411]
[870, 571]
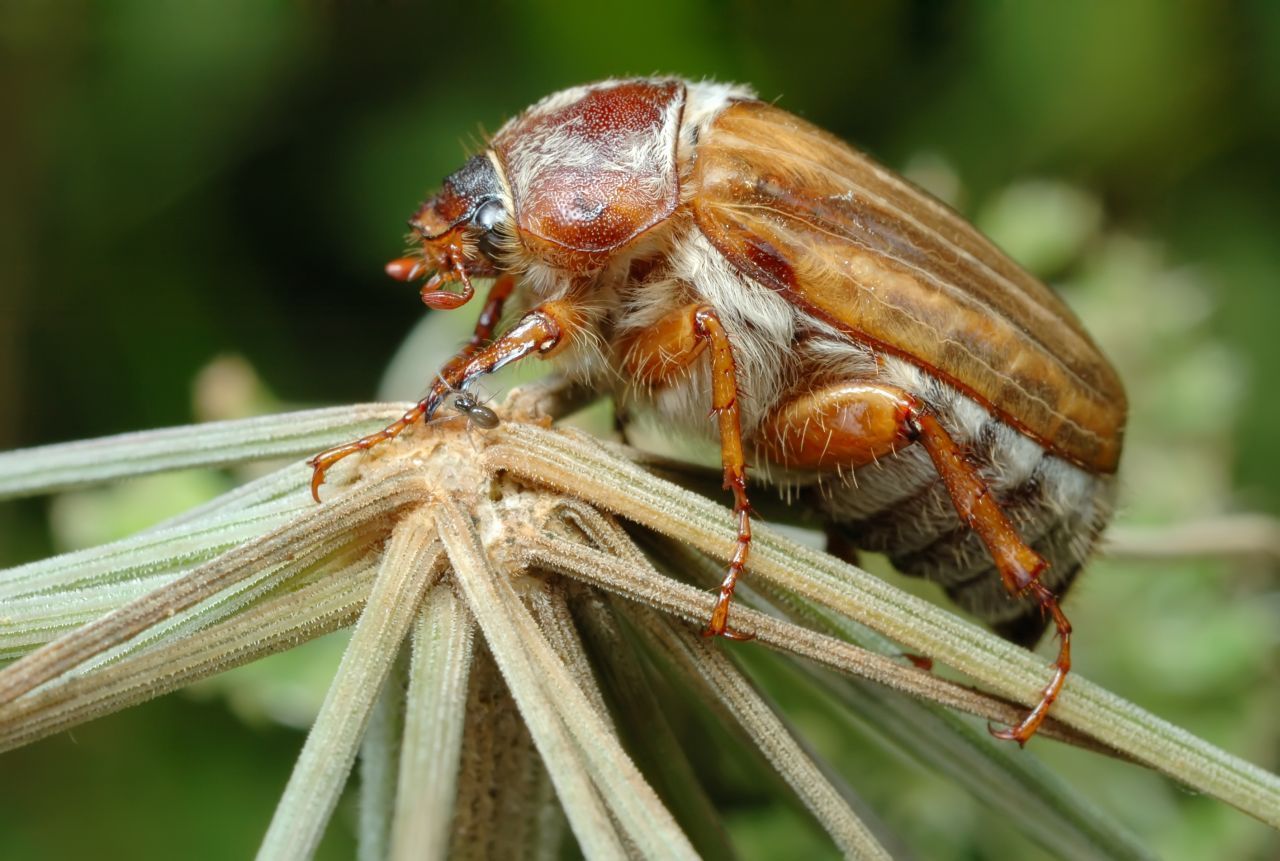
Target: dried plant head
[524, 600]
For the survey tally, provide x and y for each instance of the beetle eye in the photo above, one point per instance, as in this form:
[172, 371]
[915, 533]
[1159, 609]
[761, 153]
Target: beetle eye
[487, 217]
[488, 214]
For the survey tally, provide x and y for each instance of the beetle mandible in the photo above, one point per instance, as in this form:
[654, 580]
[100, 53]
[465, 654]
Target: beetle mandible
[940, 404]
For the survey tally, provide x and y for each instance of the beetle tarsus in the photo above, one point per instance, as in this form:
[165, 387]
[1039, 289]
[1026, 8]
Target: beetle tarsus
[1062, 665]
[321, 463]
[489, 317]
[538, 332]
[718, 626]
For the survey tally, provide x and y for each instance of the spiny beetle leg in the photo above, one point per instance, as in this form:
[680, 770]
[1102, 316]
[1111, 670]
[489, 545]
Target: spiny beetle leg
[1027, 728]
[321, 463]
[491, 313]
[661, 353]
[538, 332]
[853, 423]
[1018, 564]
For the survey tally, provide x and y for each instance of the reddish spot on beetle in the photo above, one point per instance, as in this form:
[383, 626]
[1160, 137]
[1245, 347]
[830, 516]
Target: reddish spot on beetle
[943, 406]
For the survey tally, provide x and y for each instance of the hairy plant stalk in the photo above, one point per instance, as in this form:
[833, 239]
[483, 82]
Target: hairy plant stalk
[506, 639]
[411, 562]
[1062, 820]
[640, 713]
[572, 718]
[563, 461]
[379, 760]
[164, 551]
[77, 464]
[640, 582]
[732, 690]
[204, 582]
[280, 623]
[443, 645]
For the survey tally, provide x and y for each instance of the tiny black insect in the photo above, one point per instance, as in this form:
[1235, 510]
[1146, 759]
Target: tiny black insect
[477, 413]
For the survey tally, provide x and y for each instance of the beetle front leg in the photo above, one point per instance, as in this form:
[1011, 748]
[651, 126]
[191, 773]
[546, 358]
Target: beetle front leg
[660, 354]
[852, 424]
[539, 332]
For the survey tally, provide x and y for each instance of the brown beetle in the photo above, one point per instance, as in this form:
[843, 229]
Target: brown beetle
[853, 336]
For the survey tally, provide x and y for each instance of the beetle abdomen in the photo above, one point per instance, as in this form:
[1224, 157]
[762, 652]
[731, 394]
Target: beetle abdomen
[900, 507]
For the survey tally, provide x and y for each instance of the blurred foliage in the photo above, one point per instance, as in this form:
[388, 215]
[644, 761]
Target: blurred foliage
[183, 181]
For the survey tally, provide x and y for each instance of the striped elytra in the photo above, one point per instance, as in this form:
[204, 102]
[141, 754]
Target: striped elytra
[942, 313]
[802, 212]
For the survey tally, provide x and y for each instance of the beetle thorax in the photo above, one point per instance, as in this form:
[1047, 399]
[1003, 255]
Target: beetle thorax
[591, 174]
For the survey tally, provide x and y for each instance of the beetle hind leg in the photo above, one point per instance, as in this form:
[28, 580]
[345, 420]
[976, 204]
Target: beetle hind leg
[1062, 665]
[852, 424]
[1018, 564]
[1028, 627]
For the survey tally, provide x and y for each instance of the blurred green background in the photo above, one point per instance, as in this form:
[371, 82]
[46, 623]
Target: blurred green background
[180, 182]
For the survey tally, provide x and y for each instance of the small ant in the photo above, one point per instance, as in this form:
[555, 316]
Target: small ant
[479, 415]
[469, 405]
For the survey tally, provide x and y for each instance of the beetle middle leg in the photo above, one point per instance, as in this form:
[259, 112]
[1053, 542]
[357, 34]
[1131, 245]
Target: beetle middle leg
[659, 355]
[849, 425]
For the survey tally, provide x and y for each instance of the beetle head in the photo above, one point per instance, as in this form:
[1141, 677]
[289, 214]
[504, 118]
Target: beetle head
[458, 232]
